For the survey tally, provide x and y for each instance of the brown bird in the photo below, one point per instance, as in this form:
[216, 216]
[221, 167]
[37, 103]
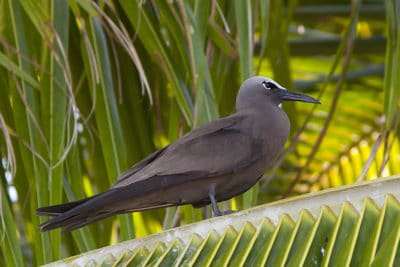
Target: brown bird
[211, 163]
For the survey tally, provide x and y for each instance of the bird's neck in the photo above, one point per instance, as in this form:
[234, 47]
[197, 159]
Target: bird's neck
[257, 107]
[267, 122]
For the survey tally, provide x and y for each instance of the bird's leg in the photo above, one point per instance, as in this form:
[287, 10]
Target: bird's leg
[214, 204]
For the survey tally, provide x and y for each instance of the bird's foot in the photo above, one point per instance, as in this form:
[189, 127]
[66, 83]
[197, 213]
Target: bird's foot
[214, 205]
[224, 212]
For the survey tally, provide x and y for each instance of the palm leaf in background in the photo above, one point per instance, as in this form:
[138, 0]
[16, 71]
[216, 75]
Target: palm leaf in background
[89, 88]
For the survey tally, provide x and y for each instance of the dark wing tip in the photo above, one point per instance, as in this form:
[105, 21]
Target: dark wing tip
[46, 226]
[58, 222]
[60, 208]
[46, 212]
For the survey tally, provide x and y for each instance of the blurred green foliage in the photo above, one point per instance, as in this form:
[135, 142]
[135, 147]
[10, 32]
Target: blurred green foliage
[88, 88]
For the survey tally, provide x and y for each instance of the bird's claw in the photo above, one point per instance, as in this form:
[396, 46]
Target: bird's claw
[225, 212]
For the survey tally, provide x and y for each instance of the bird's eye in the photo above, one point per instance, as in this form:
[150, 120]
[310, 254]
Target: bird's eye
[268, 85]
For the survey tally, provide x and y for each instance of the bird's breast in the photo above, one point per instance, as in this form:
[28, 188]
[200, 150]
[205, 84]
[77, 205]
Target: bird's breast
[272, 130]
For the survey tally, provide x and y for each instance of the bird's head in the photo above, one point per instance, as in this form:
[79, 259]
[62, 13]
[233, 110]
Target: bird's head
[257, 90]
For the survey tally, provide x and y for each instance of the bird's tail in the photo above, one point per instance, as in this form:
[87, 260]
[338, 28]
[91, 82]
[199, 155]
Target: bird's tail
[59, 209]
[136, 197]
[70, 216]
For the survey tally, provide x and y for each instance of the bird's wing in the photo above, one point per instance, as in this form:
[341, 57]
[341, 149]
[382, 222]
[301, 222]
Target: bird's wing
[217, 148]
[198, 132]
[140, 165]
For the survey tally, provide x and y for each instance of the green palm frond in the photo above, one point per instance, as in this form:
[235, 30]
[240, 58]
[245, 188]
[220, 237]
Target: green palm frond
[352, 225]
